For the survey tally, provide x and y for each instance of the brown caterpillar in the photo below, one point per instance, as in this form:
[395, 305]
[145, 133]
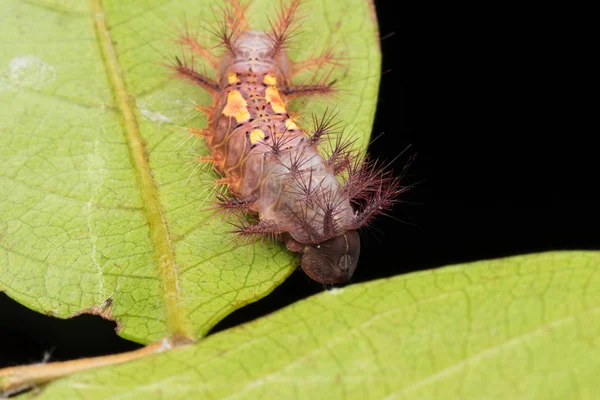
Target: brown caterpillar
[274, 168]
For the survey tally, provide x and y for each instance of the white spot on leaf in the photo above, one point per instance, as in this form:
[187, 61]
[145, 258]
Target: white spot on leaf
[335, 291]
[29, 71]
[155, 116]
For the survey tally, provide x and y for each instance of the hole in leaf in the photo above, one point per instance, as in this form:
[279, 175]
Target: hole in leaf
[28, 337]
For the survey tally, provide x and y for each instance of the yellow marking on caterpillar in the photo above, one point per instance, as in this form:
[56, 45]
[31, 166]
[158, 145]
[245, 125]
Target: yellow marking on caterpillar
[270, 79]
[232, 78]
[236, 107]
[290, 124]
[272, 96]
[256, 136]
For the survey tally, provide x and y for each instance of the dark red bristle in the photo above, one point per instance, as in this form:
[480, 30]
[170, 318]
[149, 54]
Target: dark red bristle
[341, 153]
[278, 143]
[373, 189]
[285, 28]
[230, 24]
[314, 87]
[378, 203]
[302, 220]
[294, 162]
[247, 231]
[324, 126]
[305, 188]
[330, 203]
[232, 205]
[185, 69]
[364, 177]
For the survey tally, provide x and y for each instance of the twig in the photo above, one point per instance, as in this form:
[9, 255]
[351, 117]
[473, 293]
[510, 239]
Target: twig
[17, 379]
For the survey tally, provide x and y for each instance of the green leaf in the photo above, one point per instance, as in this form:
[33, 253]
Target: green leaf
[516, 328]
[99, 209]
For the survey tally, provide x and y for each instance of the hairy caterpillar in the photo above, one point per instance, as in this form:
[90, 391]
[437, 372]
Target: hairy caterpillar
[274, 168]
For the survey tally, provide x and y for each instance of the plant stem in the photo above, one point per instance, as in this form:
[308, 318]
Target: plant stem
[16, 379]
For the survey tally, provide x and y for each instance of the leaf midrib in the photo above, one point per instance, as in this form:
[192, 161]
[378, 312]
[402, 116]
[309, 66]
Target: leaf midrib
[176, 320]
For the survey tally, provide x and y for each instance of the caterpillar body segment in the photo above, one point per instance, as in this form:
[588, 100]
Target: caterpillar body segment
[271, 165]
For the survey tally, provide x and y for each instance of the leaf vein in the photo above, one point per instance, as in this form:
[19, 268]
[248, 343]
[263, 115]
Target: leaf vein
[177, 320]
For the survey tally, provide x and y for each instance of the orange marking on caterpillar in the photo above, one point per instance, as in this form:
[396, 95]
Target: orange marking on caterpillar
[232, 78]
[272, 96]
[236, 107]
[270, 79]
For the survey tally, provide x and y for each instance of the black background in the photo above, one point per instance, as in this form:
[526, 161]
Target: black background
[501, 168]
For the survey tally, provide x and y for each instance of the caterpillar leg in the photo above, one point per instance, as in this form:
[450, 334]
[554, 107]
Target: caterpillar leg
[235, 204]
[187, 39]
[205, 109]
[328, 57]
[322, 87]
[205, 133]
[236, 18]
[227, 181]
[209, 159]
[293, 91]
[188, 72]
[261, 230]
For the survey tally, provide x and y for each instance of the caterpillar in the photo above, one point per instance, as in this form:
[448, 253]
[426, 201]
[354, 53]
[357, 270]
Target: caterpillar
[275, 172]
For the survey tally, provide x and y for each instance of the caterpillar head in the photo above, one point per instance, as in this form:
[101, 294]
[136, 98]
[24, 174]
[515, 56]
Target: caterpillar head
[332, 261]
